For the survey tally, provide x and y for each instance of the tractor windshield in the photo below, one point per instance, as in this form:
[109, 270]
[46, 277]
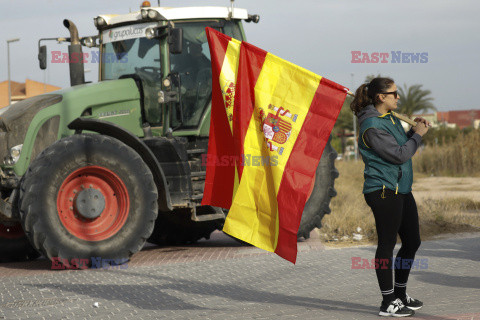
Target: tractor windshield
[126, 51]
[130, 56]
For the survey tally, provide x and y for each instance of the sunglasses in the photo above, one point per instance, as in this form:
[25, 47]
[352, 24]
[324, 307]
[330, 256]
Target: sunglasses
[395, 93]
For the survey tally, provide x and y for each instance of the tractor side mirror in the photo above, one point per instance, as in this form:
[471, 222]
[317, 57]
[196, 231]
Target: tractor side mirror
[175, 40]
[42, 57]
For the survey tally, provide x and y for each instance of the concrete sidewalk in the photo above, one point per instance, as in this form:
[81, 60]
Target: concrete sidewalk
[249, 284]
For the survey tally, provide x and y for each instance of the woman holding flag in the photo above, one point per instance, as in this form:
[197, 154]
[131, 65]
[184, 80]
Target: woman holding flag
[387, 151]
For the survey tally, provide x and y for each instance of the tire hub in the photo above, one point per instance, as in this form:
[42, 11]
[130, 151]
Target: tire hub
[93, 203]
[90, 203]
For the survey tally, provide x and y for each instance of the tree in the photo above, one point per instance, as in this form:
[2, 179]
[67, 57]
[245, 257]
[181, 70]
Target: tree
[414, 100]
[344, 123]
[345, 118]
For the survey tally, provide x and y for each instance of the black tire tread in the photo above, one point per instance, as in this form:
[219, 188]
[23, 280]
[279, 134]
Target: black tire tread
[43, 166]
[318, 204]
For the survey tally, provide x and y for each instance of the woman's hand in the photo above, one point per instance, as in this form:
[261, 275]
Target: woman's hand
[418, 119]
[421, 128]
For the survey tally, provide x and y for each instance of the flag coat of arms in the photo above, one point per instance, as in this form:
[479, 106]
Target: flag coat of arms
[270, 122]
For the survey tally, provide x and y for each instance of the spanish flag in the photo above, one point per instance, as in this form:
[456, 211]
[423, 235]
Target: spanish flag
[269, 125]
[221, 177]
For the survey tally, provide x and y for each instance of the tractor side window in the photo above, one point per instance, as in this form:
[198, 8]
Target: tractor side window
[232, 29]
[194, 67]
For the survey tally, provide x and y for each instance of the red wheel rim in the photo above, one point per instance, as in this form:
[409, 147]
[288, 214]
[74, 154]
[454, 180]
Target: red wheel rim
[12, 230]
[114, 214]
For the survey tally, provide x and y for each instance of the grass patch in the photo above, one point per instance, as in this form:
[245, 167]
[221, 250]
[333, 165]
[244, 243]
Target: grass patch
[456, 157]
[349, 210]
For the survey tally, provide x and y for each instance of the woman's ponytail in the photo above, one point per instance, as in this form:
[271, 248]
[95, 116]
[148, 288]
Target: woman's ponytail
[368, 93]
[361, 99]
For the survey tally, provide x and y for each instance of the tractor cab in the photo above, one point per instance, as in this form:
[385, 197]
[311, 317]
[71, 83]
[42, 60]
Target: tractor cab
[177, 51]
[166, 51]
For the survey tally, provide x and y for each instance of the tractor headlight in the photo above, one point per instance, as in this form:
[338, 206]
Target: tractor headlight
[167, 83]
[152, 14]
[15, 152]
[150, 33]
[14, 155]
[100, 22]
[89, 42]
[255, 18]
[144, 13]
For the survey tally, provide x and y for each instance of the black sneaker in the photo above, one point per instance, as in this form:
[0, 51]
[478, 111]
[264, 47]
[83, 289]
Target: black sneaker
[412, 304]
[395, 309]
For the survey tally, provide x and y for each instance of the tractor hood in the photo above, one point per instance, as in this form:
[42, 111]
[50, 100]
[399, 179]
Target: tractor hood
[69, 103]
[15, 121]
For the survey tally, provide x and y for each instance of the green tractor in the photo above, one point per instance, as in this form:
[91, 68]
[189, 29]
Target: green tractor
[96, 170]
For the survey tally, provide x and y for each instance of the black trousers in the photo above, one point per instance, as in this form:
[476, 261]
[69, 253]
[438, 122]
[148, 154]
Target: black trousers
[394, 214]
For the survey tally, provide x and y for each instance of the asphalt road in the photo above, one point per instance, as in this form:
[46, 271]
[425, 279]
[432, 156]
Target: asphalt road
[220, 279]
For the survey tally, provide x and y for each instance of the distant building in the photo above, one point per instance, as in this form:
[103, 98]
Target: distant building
[21, 91]
[461, 118]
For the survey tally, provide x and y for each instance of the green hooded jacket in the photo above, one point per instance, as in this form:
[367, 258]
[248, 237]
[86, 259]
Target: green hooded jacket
[386, 151]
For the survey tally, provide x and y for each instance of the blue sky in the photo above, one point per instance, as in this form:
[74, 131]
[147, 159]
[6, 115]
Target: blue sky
[317, 35]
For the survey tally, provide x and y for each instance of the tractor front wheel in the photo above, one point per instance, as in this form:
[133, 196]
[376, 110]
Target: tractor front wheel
[88, 197]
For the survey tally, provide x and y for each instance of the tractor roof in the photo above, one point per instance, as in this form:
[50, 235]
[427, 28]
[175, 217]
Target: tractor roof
[178, 14]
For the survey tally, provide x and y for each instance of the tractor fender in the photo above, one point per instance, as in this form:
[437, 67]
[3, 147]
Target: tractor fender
[131, 140]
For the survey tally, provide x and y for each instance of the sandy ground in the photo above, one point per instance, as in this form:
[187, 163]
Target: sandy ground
[446, 187]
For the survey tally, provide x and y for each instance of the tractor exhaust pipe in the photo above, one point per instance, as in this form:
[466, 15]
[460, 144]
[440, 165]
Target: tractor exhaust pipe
[75, 54]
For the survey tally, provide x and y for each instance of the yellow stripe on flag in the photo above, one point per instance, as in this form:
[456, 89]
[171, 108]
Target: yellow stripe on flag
[228, 76]
[253, 216]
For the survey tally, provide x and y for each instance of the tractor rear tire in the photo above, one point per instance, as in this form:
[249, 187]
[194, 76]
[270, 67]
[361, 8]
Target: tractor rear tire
[318, 204]
[177, 227]
[14, 245]
[88, 196]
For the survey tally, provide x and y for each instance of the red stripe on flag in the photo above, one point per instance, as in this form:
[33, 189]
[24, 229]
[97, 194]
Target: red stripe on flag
[249, 67]
[302, 164]
[220, 140]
